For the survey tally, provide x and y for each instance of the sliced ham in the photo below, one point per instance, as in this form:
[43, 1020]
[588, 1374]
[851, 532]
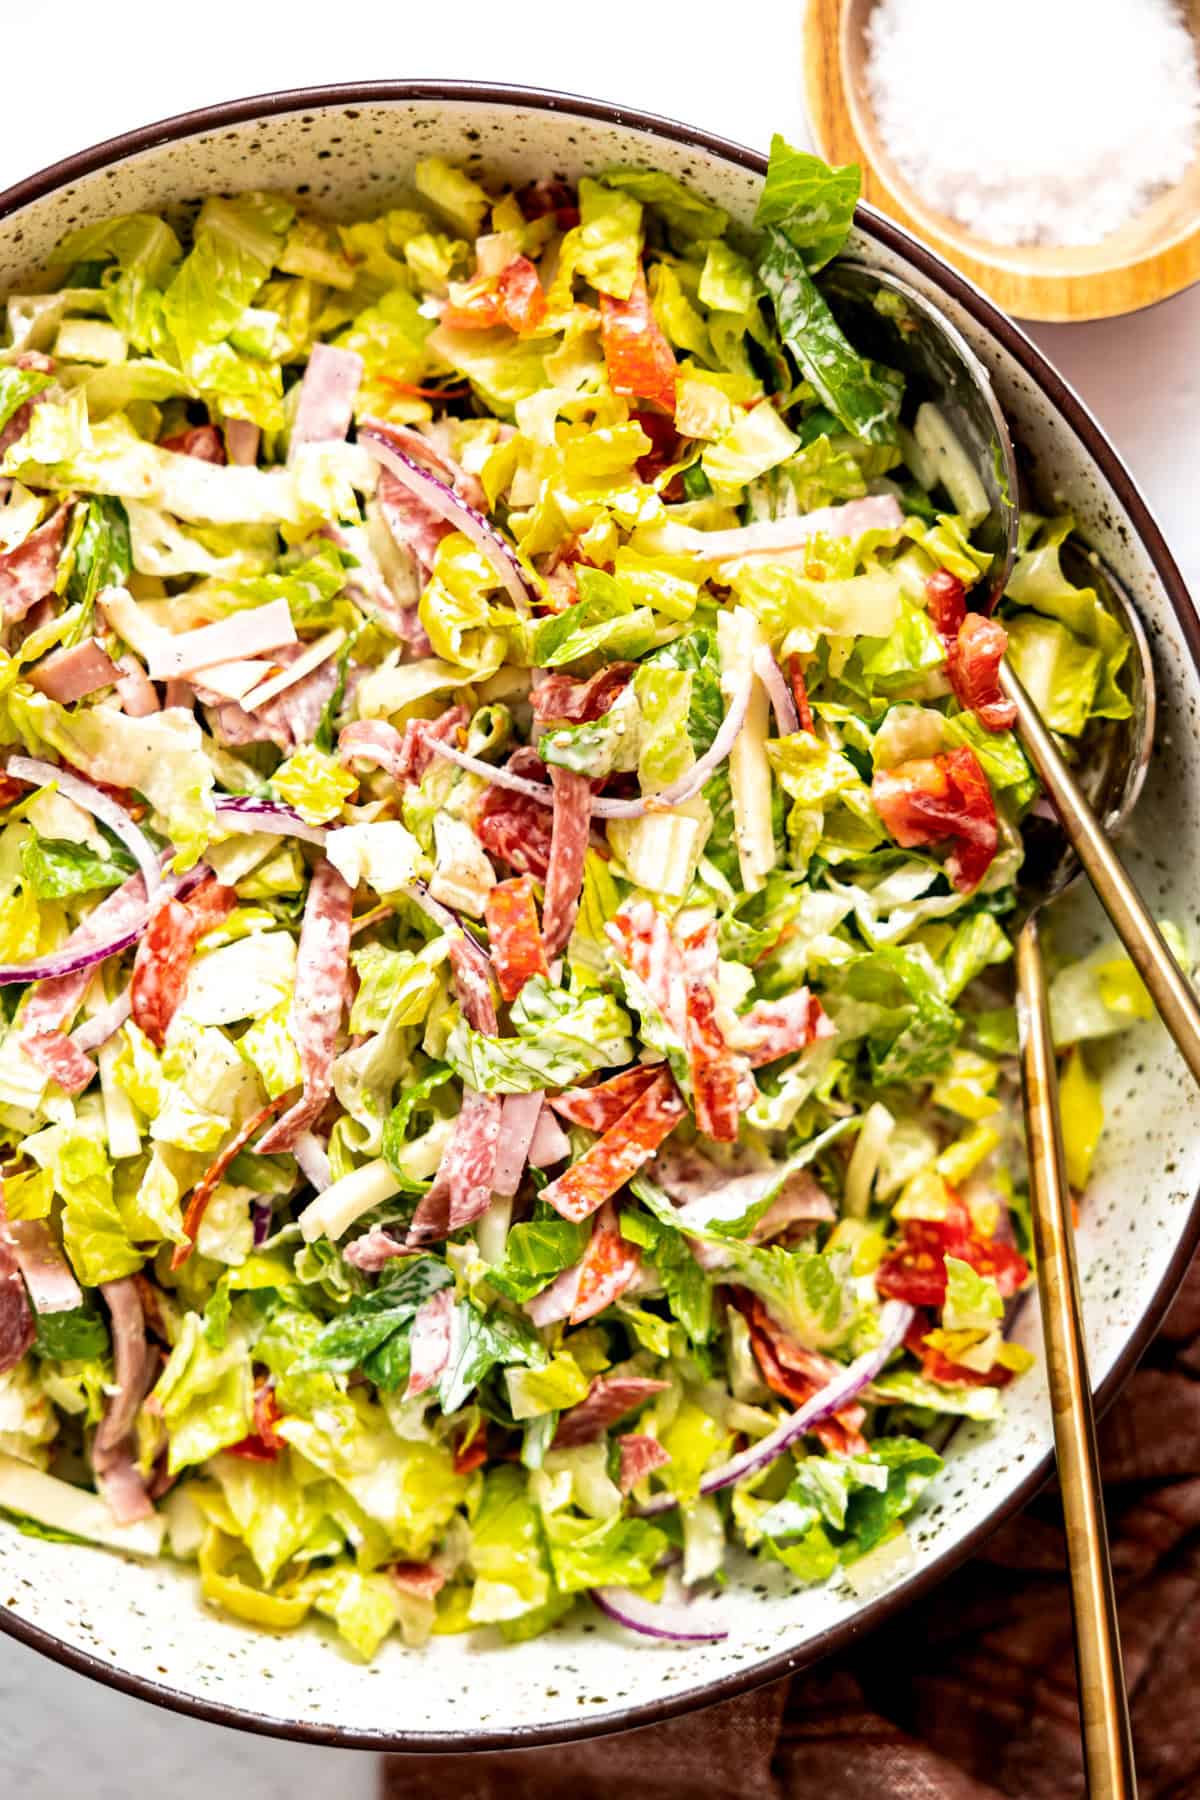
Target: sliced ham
[201, 441]
[328, 391]
[290, 719]
[135, 690]
[133, 1363]
[375, 1249]
[311, 657]
[249, 633]
[556, 1302]
[429, 1344]
[423, 1580]
[241, 442]
[422, 446]
[70, 675]
[27, 573]
[609, 1398]
[17, 1328]
[321, 991]
[550, 1143]
[52, 1287]
[519, 1115]
[370, 591]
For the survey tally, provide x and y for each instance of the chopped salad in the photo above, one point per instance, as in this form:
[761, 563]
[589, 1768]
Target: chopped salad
[508, 826]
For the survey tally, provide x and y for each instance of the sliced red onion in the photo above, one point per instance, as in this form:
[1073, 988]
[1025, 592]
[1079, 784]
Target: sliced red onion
[603, 807]
[443, 918]
[312, 1160]
[85, 956]
[102, 806]
[674, 1624]
[782, 700]
[105, 1024]
[894, 1321]
[245, 812]
[383, 445]
[260, 1216]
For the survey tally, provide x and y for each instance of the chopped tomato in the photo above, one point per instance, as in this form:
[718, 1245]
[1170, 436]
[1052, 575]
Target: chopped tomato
[664, 444]
[800, 693]
[264, 1443]
[543, 197]
[974, 670]
[514, 298]
[471, 1456]
[936, 1366]
[916, 1272]
[796, 1374]
[641, 363]
[947, 600]
[931, 799]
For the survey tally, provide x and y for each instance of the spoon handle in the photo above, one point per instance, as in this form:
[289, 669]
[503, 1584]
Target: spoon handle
[1103, 1706]
[1172, 993]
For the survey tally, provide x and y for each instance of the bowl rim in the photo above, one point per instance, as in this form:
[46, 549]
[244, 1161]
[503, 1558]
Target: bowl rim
[1057, 390]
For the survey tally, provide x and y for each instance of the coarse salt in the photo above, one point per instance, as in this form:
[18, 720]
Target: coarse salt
[1039, 121]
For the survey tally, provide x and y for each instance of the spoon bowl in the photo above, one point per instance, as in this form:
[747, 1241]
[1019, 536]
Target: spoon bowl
[909, 333]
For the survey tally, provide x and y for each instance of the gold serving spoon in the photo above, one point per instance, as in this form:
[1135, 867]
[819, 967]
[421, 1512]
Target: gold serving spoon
[911, 333]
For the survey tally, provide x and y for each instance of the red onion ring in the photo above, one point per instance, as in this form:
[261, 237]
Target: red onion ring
[676, 1624]
[102, 806]
[894, 1321]
[687, 785]
[383, 445]
[782, 702]
[85, 956]
[247, 813]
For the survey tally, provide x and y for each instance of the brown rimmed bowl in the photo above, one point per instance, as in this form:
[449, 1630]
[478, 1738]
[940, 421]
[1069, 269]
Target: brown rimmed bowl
[141, 1627]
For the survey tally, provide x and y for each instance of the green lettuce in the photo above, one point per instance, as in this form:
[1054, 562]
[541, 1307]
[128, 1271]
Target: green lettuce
[811, 203]
[561, 1037]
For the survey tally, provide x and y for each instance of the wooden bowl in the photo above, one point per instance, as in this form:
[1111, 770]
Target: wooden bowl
[1154, 256]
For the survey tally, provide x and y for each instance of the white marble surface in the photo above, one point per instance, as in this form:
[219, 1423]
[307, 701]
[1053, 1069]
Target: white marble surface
[61, 1734]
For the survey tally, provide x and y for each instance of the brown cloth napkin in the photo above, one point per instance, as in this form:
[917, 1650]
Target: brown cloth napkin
[969, 1695]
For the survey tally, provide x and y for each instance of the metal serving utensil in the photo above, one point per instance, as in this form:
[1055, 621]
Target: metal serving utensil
[912, 334]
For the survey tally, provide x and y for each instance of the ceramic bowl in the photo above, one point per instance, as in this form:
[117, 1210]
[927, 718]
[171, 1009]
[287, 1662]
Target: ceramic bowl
[142, 1627]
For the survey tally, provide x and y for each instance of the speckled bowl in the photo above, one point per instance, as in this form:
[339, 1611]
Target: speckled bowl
[142, 1627]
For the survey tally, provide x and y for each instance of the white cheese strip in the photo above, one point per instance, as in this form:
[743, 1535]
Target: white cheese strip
[317, 653]
[242, 634]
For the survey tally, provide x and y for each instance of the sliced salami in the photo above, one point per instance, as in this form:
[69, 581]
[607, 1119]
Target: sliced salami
[462, 1187]
[620, 1153]
[322, 988]
[17, 1329]
[609, 1398]
[570, 830]
[514, 938]
[27, 573]
[596, 1108]
[608, 1266]
[640, 1456]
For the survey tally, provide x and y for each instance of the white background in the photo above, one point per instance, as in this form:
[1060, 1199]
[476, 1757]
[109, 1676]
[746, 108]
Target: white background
[132, 61]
